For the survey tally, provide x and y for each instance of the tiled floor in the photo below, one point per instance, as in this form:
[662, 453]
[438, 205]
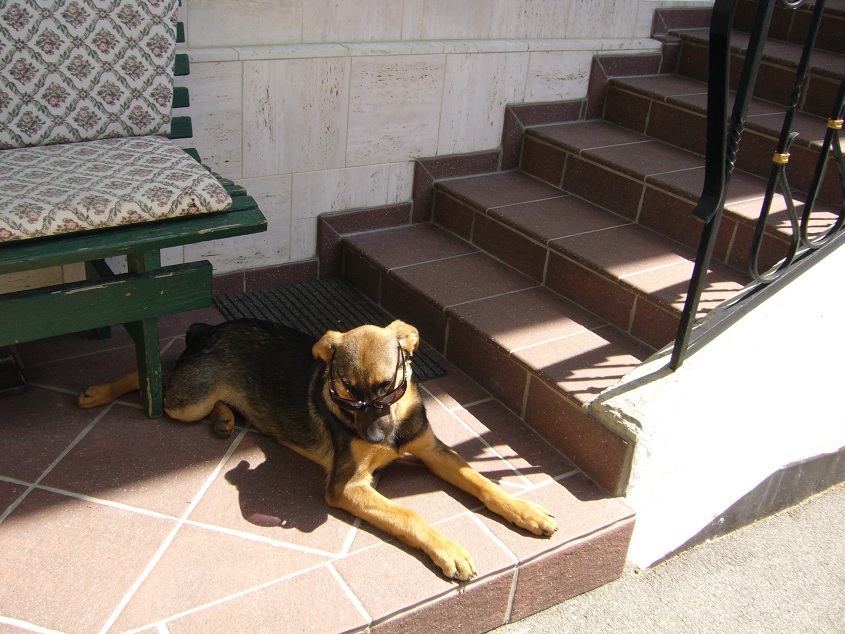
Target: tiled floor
[110, 521]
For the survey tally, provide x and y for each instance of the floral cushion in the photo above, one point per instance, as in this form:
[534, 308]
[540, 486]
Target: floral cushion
[85, 69]
[56, 189]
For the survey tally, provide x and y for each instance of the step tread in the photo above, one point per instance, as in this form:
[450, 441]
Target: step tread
[551, 336]
[646, 262]
[670, 168]
[776, 51]
[691, 94]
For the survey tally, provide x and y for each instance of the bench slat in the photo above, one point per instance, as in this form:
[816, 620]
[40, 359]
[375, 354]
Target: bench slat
[123, 298]
[181, 97]
[181, 128]
[182, 65]
[242, 218]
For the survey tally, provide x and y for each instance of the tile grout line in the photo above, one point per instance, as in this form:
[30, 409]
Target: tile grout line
[432, 261]
[172, 535]
[261, 539]
[514, 559]
[199, 608]
[26, 625]
[512, 596]
[454, 415]
[561, 338]
[55, 462]
[480, 401]
[580, 234]
[349, 594]
[495, 296]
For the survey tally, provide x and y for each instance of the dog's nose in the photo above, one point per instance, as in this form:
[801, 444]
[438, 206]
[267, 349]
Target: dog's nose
[375, 433]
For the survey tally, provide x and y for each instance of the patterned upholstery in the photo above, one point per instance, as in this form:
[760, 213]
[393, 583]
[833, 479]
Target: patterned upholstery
[85, 69]
[56, 189]
[86, 89]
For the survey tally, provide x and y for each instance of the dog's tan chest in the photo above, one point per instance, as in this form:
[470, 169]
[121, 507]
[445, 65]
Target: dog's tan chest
[371, 457]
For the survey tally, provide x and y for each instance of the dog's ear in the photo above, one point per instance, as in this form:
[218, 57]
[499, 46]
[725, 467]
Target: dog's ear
[325, 347]
[408, 336]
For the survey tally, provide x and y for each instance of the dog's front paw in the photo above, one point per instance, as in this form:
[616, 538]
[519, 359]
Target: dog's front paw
[454, 560]
[528, 515]
[533, 517]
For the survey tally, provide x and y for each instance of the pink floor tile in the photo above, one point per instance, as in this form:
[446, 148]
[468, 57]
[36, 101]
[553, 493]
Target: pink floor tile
[111, 520]
[67, 563]
[37, 426]
[268, 490]
[391, 577]
[159, 465]
[311, 602]
[203, 567]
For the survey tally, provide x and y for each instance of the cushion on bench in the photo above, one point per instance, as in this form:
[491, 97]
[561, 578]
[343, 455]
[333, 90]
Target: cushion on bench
[56, 189]
[85, 69]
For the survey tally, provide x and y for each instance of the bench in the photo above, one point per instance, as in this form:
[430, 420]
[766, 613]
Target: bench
[89, 170]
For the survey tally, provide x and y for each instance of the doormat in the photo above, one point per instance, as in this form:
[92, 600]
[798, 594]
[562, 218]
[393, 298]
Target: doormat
[315, 307]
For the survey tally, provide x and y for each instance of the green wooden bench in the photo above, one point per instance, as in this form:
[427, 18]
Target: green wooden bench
[148, 290]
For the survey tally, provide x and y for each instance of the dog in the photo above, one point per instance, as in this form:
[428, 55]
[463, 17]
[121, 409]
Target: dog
[348, 401]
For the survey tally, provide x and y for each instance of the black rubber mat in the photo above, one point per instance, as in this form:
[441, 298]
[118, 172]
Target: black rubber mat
[314, 308]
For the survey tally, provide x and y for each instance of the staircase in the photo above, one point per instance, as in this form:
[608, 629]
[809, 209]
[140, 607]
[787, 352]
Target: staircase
[551, 267]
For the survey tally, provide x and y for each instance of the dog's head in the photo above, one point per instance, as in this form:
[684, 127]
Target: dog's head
[368, 375]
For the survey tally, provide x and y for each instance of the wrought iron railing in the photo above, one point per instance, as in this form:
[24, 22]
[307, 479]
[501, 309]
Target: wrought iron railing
[723, 136]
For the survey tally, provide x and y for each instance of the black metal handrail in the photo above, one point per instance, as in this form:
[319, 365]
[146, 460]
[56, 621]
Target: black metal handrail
[723, 136]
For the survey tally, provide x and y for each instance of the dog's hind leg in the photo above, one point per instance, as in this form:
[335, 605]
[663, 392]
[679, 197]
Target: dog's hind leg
[220, 415]
[104, 393]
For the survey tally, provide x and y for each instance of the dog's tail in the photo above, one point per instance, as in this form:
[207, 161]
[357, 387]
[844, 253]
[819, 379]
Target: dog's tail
[196, 332]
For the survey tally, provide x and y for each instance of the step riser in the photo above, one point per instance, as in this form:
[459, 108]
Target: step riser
[663, 211]
[793, 25]
[774, 81]
[687, 129]
[602, 455]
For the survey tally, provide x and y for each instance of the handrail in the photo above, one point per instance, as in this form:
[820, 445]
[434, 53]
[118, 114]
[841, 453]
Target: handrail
[723, 137]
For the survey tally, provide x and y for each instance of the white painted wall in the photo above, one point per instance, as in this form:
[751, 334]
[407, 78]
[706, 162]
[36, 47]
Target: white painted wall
[760, 396]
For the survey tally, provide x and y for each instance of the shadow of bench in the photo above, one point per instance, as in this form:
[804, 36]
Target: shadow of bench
[89, 171]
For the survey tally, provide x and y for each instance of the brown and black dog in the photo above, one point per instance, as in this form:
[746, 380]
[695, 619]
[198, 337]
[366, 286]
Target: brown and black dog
[347, 401]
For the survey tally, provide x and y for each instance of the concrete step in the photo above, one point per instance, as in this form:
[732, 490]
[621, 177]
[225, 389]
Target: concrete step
[541, 355]
[629, 275]
[658, 185]
[673, 109]
[777, 70]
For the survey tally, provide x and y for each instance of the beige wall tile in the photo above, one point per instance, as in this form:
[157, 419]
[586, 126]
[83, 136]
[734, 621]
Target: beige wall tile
[216, 113]
[295, 115]
[447, 19]
[477, 89]
[394, 108]
[241, 22]
[351, 21]
[558, 76]
[529, 18]
[315, 193]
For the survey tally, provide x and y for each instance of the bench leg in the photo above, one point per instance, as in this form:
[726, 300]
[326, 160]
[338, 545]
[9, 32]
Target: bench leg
[148, 358]
[145, 335]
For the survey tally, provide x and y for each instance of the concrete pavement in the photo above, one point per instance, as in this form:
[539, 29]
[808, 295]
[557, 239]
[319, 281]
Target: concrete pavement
[785, 573]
